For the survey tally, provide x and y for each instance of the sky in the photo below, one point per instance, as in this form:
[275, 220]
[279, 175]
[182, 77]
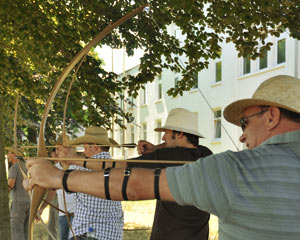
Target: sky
[106, 52]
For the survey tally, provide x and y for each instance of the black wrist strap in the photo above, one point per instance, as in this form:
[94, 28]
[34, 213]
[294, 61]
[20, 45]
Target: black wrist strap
[103, 165]
[156, 183]
[64, 180]
[127, 173]
[84, 164]
[106, 183]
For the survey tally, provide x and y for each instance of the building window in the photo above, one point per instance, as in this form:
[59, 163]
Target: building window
[132, 134]
[219, 71]
[131, 102]
[281, 51]
[121, 136]
[144, 96]
[159, 90]
[176, 81]
[246, 65]
[217, 124]
[121, 102]
[195, 80]
[263, 61]
[158, 136]
[145, 131]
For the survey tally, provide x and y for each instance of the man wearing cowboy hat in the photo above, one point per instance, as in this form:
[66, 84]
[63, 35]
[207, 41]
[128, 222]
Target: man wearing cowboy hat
[102, 217]
[181, 138]
[254, 192]
[20, 205]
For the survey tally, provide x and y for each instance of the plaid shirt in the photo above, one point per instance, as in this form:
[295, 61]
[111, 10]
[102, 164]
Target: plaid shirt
[104, 216]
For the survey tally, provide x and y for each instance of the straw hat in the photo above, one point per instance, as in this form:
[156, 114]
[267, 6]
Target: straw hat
[180, 119]
[95, 135]
[13, 150]
[281, 91]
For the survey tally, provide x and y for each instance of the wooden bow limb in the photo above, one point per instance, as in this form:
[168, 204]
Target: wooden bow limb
[55, 207]
[38, 192]
[110, 160]
[45, 226]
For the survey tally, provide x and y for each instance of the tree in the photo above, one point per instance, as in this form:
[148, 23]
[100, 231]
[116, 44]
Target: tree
[39, 37]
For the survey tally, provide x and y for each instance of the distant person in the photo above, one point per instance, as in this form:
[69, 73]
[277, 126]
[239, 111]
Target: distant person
[20, 204]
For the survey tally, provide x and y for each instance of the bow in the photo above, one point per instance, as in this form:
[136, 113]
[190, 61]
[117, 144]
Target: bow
[38, 192]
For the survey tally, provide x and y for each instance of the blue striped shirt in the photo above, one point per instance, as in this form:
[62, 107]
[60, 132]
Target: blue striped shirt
[255, 193]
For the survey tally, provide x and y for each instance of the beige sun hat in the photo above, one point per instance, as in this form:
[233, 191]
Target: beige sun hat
[95, 135]
[281, 91]
[180, 119]
[13, 150]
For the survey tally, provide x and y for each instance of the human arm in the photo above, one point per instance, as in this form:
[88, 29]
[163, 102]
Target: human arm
[12, 176]
[147, 147]
[11, 183]
[140, 184]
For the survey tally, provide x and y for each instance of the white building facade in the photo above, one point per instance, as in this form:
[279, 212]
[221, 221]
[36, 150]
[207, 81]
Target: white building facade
[226, 79]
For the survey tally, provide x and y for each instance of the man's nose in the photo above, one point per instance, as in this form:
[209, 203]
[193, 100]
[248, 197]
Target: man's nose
[242, 138]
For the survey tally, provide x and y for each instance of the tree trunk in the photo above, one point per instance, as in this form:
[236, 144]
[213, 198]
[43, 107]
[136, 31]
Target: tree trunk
[5, 217]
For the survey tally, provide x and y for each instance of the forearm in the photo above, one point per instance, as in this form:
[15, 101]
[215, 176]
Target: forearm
[140, 184]
[159, 146]
[11, 183]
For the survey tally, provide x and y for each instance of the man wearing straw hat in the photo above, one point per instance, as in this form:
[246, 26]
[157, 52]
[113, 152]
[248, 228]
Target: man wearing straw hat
[255, 192]
[99, 217]
[20, 205]
[181, 139]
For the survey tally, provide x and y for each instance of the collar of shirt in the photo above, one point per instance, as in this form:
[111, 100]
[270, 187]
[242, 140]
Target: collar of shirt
[288, 137]
[102, 155]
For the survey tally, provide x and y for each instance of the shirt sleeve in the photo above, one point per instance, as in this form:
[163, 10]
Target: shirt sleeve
[13, 172]
[207, 184]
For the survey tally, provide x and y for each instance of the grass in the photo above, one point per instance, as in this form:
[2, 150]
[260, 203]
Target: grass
[138, 218]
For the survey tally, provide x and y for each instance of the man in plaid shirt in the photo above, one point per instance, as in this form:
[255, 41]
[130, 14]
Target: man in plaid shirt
[95, 216]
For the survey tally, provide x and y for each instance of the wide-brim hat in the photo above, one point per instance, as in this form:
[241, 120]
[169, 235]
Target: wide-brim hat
[95, 135]
[182, 120]
[281, 91]
[19, 152]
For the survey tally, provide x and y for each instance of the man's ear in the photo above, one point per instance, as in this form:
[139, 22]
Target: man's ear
[180, 135]
[273, 117]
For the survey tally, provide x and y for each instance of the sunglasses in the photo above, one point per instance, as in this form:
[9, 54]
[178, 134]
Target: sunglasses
[243, 120]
